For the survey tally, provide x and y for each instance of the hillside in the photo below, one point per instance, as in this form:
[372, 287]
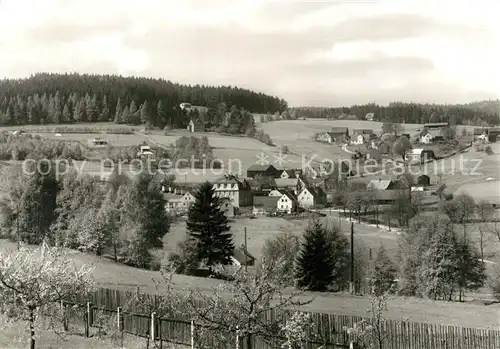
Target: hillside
[72, 98]
[474, 113]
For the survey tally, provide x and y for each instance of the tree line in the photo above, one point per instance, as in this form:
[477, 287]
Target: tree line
[66, 98]
[483, 113]
[124, 218]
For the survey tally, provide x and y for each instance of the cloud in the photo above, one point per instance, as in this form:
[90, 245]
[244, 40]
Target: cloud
[305, 52]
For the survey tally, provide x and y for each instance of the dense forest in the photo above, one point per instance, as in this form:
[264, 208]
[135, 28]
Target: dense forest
[484, 113]
[71, 98]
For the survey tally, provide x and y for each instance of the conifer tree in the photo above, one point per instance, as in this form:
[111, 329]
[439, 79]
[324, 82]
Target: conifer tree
[209, 226]
[105, 114]
[119, 111]
[315, 268]
[66, 113]
[383, 273]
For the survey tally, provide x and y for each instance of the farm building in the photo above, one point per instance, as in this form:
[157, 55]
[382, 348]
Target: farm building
[431, 136]
[261, 185]
[424, 180]
[326, 137]
[362, 136]
[369, 116]
[256, 170]
[493, 133]
[341, 134]
[237, 191]
[311, 197]
[480, 133]
[287, 203]
[292, 173]
[265, 204]
[242, 257]
[436, 125]
[381, 184]
[292, 184]
[178, 202]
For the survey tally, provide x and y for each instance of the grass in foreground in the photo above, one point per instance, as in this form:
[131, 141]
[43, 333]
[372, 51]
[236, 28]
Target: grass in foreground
[15, 336]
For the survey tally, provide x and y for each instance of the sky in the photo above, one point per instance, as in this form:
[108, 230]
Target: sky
[315, 53]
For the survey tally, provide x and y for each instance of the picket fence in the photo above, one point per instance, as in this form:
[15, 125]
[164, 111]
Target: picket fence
[328, 330]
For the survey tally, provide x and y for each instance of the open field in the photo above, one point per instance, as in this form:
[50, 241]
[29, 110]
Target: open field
[95, 126]
[116, 140]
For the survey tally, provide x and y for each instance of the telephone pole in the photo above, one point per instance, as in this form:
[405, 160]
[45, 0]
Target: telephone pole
[352, 259]
[246, 253]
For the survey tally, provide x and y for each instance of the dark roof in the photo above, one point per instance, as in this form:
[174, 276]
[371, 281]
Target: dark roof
[240, 253]
[366, 131]
[494, 130]
[479, 131]
[261, 181]
[316, 191]
[436, 124]
[289, 195]
[338, 130]
[423, 175]
[266, 201]
[257, 167]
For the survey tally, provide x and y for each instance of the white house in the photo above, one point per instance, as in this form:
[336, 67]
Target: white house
[286, 203]
[369, 116]
[426, 138]
[178, 202]
[311, 197]
[237, 191]
[358, 139]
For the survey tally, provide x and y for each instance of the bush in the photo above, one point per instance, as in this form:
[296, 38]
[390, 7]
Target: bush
[488, 150]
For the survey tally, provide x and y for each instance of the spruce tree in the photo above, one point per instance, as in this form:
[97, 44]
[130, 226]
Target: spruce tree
[209, 226]
[315, 263]
[118, 111]
[383, 273]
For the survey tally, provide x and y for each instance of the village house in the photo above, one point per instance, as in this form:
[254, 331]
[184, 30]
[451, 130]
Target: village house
[362, 136]
[261, 185]
[480, 134]
[326, 137]
[420, 155]
[291, 173]
[424, 180]
[431, 136]
[341, 134]
[293, 185]
[238, 191]
[311, 197]
[178, 202]
[369, 116]
[263, 205]
[257, 170]
[493, 133]
[381, 184]
[287, 203]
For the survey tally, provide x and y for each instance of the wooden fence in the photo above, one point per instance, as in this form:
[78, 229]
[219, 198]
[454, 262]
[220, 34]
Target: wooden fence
[328, 329]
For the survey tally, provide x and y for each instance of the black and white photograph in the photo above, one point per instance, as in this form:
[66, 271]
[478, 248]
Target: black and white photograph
[249, 174]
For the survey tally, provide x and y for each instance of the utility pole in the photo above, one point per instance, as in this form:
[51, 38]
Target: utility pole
[352, 258]
[246, 255]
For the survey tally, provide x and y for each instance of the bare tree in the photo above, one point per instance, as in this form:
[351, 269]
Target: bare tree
[33, 279]
[241, 305]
